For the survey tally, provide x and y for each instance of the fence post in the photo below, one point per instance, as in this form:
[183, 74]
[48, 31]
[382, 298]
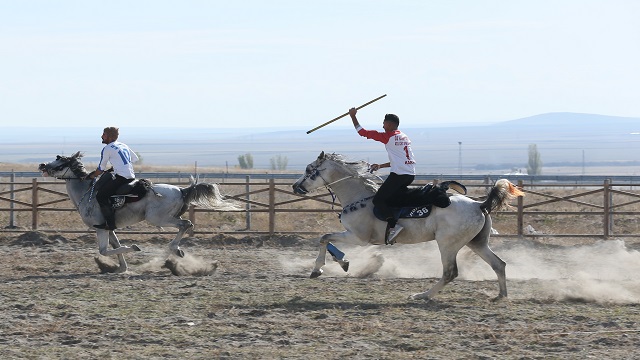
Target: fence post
[247, 188]
[520, 213]
[607, 209]
[34, 204]
[272, 206]
[12, 197]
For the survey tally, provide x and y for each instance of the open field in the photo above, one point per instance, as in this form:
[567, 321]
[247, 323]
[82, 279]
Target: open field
[572, 302]
[568, 298]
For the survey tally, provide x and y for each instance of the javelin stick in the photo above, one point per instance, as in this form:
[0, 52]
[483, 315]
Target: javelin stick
[345, 114]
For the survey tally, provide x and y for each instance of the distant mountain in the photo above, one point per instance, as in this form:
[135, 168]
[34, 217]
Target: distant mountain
[560, 138]
[572, 120]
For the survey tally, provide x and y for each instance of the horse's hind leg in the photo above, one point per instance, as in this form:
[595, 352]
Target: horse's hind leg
[174, 245]
[449, 272]
[480, 245]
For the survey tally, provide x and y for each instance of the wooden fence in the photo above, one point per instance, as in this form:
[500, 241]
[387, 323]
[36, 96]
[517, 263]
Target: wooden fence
[598, 210]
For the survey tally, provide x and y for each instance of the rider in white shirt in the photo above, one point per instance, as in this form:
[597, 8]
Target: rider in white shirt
[401, 162]
[120, 156]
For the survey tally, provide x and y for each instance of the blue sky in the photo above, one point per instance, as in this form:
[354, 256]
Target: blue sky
[297, 64]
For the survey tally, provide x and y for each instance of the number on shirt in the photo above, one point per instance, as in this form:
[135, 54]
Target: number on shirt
[125, 156]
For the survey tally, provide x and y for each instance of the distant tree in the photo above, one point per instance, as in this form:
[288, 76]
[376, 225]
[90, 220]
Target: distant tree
[139, 162]
[245, 161]
[534, 167]
[279, 162]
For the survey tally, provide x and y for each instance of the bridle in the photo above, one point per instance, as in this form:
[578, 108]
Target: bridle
[63, 176]
[74, 169]
[314, 172]
[70, 167]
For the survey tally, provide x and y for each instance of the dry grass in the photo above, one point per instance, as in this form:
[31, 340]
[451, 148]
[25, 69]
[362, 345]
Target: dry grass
[570, 300]
[260, 304]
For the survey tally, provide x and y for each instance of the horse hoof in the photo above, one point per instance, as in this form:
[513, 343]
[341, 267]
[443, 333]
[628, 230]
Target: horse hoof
[419, 296]
[180, 253]
[315, 274]
[345, 265]
[499, 298]
[135, 247]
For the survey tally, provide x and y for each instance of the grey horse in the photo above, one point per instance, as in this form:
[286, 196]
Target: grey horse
[162, 205]
[465, 222]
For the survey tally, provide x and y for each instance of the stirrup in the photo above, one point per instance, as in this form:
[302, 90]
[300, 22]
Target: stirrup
[391, 234]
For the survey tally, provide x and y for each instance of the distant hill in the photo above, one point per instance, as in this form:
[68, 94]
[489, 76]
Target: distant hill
[561, 138]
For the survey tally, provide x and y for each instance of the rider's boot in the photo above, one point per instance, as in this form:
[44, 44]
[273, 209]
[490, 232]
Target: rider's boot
[393, 229]
[109, 216]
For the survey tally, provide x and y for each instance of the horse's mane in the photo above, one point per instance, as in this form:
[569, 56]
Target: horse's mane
[76, 165]
[358, 169]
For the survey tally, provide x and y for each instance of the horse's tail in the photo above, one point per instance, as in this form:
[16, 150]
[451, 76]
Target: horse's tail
[207, 196]
[499, 196]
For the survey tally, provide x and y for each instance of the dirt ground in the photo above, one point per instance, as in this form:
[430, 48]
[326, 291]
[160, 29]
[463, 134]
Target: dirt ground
[571, 302]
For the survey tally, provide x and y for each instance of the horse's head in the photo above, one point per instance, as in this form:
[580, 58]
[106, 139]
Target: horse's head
[311, 178]
[326, 170]
[64, 167]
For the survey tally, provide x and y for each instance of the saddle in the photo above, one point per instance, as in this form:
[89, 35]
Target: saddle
[417, 202]
[130, 193]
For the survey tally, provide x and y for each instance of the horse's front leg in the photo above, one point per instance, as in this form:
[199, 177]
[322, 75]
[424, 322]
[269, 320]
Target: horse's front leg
[183, 226]
[337, 255]
[104, 238]
[115, 243]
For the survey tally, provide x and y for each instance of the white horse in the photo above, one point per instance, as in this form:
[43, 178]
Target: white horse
[464, 222]
[162, 205]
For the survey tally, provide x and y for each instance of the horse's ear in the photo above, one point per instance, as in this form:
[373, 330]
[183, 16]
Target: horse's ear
[77, 155]
[321, 156]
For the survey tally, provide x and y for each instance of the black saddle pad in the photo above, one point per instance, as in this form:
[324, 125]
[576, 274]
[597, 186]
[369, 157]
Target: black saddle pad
[131, 192]
[137, 188]
[416, 202]
[419, 196]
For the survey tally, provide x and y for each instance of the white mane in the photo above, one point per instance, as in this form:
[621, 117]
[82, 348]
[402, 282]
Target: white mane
[358, 169]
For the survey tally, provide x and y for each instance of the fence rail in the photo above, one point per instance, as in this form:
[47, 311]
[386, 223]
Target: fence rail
[566, 208]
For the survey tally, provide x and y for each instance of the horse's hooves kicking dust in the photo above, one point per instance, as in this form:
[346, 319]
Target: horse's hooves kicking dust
[106, 264]
[371, 266]
[345, 265]
[190, 266]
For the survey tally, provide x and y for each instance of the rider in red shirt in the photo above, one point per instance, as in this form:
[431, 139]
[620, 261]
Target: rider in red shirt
[401, 162]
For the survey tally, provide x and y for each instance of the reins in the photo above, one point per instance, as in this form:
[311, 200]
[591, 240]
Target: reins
[65, 173]
[337, 181]
[327, 184]
[90, 191]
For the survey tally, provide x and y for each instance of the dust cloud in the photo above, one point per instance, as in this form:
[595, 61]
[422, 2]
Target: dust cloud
[189, 265]
[603, 272]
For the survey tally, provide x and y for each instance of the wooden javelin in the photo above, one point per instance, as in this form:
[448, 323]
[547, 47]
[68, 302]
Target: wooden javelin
[345, 114]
